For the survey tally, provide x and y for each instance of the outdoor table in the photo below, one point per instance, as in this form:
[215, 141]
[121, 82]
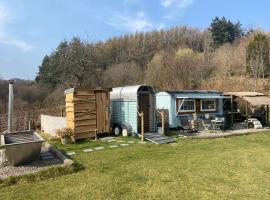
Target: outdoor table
[216, 124]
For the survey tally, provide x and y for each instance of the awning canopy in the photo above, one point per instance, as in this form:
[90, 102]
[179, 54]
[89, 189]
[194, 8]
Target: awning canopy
[244, 94]
[254, 98]
[258, 101]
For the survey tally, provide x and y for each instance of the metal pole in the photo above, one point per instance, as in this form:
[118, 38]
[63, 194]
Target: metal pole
[10, 106]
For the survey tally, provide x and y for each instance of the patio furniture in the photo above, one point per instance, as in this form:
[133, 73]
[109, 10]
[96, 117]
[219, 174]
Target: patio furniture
[194, 124]
[218, 123]
[206, 125]
[255, 123]
[185, 125]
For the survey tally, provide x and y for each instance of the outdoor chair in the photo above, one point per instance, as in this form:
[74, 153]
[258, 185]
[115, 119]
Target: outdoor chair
[185, 126]
[206, 125]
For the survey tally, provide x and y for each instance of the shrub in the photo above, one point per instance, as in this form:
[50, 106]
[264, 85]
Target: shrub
[65, 133]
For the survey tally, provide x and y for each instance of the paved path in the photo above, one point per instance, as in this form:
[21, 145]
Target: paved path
[119, 143]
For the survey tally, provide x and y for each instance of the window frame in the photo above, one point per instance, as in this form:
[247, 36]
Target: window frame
[212, 109]
[184, 111]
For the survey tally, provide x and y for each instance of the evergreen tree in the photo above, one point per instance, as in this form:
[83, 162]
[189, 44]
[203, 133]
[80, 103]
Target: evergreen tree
[224, 31]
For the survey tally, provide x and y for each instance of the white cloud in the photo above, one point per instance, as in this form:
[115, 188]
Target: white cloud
[166, 3]
[184, 3]
[179, 3]
[137, 23]
[3, 16]
[20, 44]
[132, 21]
[7, 39]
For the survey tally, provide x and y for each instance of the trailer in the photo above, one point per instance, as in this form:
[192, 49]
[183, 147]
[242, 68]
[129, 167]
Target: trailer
[126, 103]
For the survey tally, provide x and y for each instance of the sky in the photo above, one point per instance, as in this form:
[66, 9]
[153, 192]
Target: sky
[30, 29]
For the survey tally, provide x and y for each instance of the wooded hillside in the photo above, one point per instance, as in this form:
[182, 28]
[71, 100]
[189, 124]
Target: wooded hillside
[224, 57]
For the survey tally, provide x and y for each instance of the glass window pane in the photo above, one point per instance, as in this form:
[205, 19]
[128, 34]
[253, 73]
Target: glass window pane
[208, 104]
[188, 105]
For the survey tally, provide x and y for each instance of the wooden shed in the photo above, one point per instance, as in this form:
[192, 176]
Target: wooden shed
[87, 111]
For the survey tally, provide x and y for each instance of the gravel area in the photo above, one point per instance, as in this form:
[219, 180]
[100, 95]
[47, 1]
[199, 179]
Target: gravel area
[223, 134]
[41, 164]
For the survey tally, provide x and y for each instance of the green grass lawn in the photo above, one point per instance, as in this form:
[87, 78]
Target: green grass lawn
[225, 168]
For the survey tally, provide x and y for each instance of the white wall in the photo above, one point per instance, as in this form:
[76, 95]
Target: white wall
[50, 124]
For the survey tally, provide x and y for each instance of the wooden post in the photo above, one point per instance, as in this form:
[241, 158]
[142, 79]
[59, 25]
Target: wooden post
[29, 125]
[96, 137]
[231, 125]
[142, 125]
[162, 122]
[162, 113]
[267, 115]
[62, 112]
[247, 113]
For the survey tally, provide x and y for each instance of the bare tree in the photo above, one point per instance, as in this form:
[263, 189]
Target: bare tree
[122, 74]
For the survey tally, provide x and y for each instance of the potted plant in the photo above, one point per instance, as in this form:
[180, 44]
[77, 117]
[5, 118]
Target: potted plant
[66, 135]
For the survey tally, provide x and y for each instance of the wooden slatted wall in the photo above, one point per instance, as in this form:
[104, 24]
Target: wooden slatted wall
[86, 111]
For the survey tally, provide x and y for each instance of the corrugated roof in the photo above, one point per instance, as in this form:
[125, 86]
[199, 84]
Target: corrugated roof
[193, 91]
[258, 100]
[70, 90]
[244, 94]
[254, 98]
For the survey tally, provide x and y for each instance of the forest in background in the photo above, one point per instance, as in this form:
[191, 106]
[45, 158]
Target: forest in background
[223, 57]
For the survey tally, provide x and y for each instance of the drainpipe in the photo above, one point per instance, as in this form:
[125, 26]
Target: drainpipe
[10, 106]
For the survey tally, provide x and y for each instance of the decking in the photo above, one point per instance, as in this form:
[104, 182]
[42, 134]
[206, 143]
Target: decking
[157, 138]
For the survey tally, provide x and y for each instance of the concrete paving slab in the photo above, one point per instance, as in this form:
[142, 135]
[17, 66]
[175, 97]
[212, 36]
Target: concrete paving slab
[88, 150]
[130, 142]
[107, 138]
[99, 148]
[124, 145]
[112, 140]
[120, 141]
[72, 153]
[142, 142]
[114, 146]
